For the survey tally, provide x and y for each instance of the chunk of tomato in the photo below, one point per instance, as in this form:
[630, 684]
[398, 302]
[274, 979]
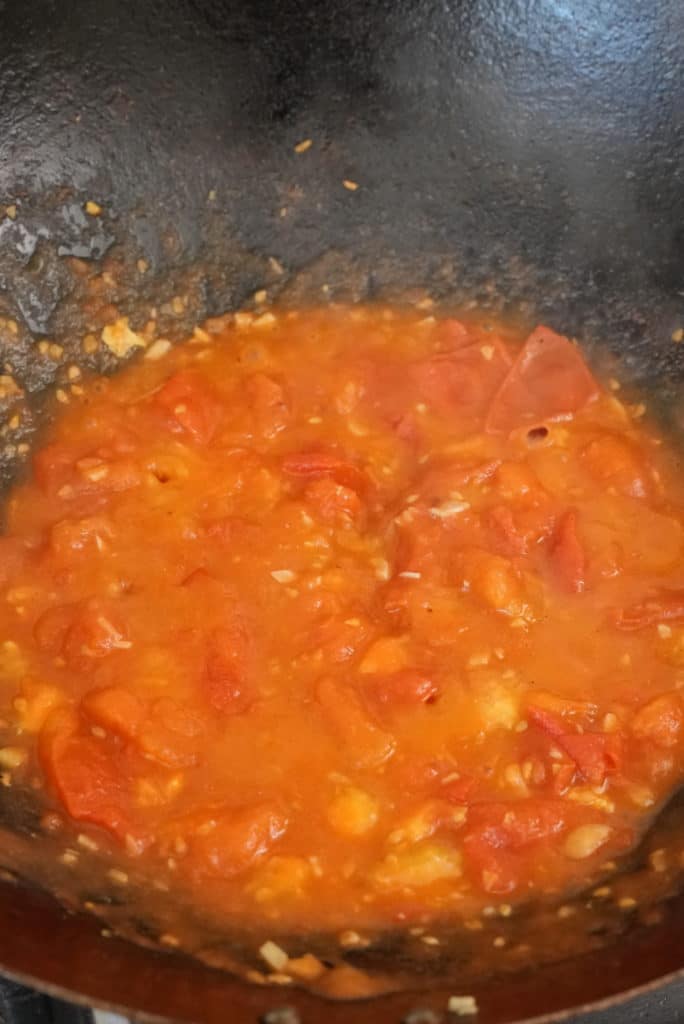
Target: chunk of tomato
[333, 502]
[548, 380]
[613, 460]
[82, 632]
[268, 403]
[403, 689]
[340, 637]
[497, 870]
[96, 631]
[568, 560]
[228, 677]
[660, 721]
[230, 841]
[596, 755]
[464, 378]
[517, 825]
[86, 777]
[315, 465]
[171, 734]
[366, 743]
[190, 406]
[115, 709]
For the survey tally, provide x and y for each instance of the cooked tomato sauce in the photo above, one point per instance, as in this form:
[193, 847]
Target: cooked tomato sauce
[348, 617]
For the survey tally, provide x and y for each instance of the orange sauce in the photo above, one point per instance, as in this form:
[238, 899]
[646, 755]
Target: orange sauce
[348, 617]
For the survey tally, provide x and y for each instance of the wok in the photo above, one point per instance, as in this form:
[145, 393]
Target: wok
[521, 158]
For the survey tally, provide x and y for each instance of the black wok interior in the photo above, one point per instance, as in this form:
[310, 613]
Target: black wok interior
[523, 158]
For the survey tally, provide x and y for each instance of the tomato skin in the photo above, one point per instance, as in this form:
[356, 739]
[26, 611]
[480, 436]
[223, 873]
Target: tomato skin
[190, 406]
[568, 559]
[548, 380]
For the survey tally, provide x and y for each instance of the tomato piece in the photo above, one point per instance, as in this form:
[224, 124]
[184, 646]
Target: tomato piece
[568, 559]
[546, 720]
[51, 628]
[228, 678]
[548, 380]
[190, 405]
[318, 464]
[502, 831]
[613, 460]
[341, 638]
[85, 777]
[403, 689]
[582, 712]
[268, 404]
[660, 721]
[501, 519]
[596, 755]
[497, 869]
[116, 709]
[82, 632]
[661, 606]
[495, 581]
[366, 743]
[231, 841]
[171, 734]
[517, 825]
[333, 502]
[464, 378]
